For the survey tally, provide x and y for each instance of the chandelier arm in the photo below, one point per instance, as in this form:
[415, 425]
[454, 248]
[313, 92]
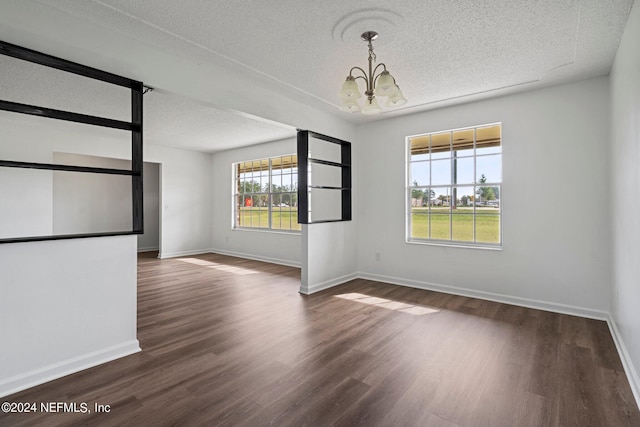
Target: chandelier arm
[359, 69]
[375, 79]
[379, 65]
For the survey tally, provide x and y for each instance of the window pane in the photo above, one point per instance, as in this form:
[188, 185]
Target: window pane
[263, 218]
[441, 145]
[419, 196]
[463, 171]
[245, 216]
[462, 226]
[286, 182]
[419, 173]
[286, 164]
[264, 181]
[441, 199]
[463, 142]
[419, 223]
[441, 172]
[284, 218]
[486, 196]
[494, 204]
[488, 228]
[276, 183]
[440, 229]
[276, 218]
[241, 185]
[488, 140]
[463, 197]
[489, 168]
[419, 147]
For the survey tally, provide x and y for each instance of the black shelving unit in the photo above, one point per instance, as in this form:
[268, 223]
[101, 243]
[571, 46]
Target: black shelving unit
[304, 188]
[134, 126]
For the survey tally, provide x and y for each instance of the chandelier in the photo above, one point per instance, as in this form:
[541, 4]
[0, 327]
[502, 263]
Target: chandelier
[380, 84]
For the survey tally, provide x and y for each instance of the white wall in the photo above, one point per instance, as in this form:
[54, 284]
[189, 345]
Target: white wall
[88, 202]
[330, 255]
[66, 305]
[185, 199]
[281, 248]
[625, 194]
[554, 202]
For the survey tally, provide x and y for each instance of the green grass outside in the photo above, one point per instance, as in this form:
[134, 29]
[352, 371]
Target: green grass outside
[281, 218]
[457, 226]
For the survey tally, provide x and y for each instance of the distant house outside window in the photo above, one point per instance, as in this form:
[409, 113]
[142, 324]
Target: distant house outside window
[266, 194]
[454, 187]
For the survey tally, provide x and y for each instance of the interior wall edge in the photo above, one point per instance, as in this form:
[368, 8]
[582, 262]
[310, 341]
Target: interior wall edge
[66, 367]
[625, 358]
[490, 296]
[308, 290]
[278, 261]
[165, 255]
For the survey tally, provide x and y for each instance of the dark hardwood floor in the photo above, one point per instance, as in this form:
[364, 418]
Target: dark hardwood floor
[228, 341]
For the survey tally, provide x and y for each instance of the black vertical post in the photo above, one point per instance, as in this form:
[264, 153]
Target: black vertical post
[136, 158]
[303, 177]
[345, 151]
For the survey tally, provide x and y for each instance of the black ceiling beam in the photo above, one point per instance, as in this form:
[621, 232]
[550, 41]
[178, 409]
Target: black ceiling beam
[62, 64]
[67, 115]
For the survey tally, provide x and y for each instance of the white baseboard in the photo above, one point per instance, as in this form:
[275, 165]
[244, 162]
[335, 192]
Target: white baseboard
[305, 290]
[58, 370]
[490, 296]
[627, 363]
[164, 255]
[279, 261]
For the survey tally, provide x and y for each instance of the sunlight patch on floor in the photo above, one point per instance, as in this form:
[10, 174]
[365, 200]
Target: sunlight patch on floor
[217, 266]
[388, 304]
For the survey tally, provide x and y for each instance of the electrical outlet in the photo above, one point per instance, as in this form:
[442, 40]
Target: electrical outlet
[378, 258]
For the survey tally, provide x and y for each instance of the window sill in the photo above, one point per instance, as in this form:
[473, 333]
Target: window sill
[449, 244]
[268, 231]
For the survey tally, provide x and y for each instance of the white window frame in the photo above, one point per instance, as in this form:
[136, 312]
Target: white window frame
[410, 187]
[270, 195]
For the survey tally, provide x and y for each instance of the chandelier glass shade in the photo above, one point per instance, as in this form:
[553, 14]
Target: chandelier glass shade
[378, 81]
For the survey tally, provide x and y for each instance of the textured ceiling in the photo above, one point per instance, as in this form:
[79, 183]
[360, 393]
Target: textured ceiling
[175, 121]
[439, 52]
